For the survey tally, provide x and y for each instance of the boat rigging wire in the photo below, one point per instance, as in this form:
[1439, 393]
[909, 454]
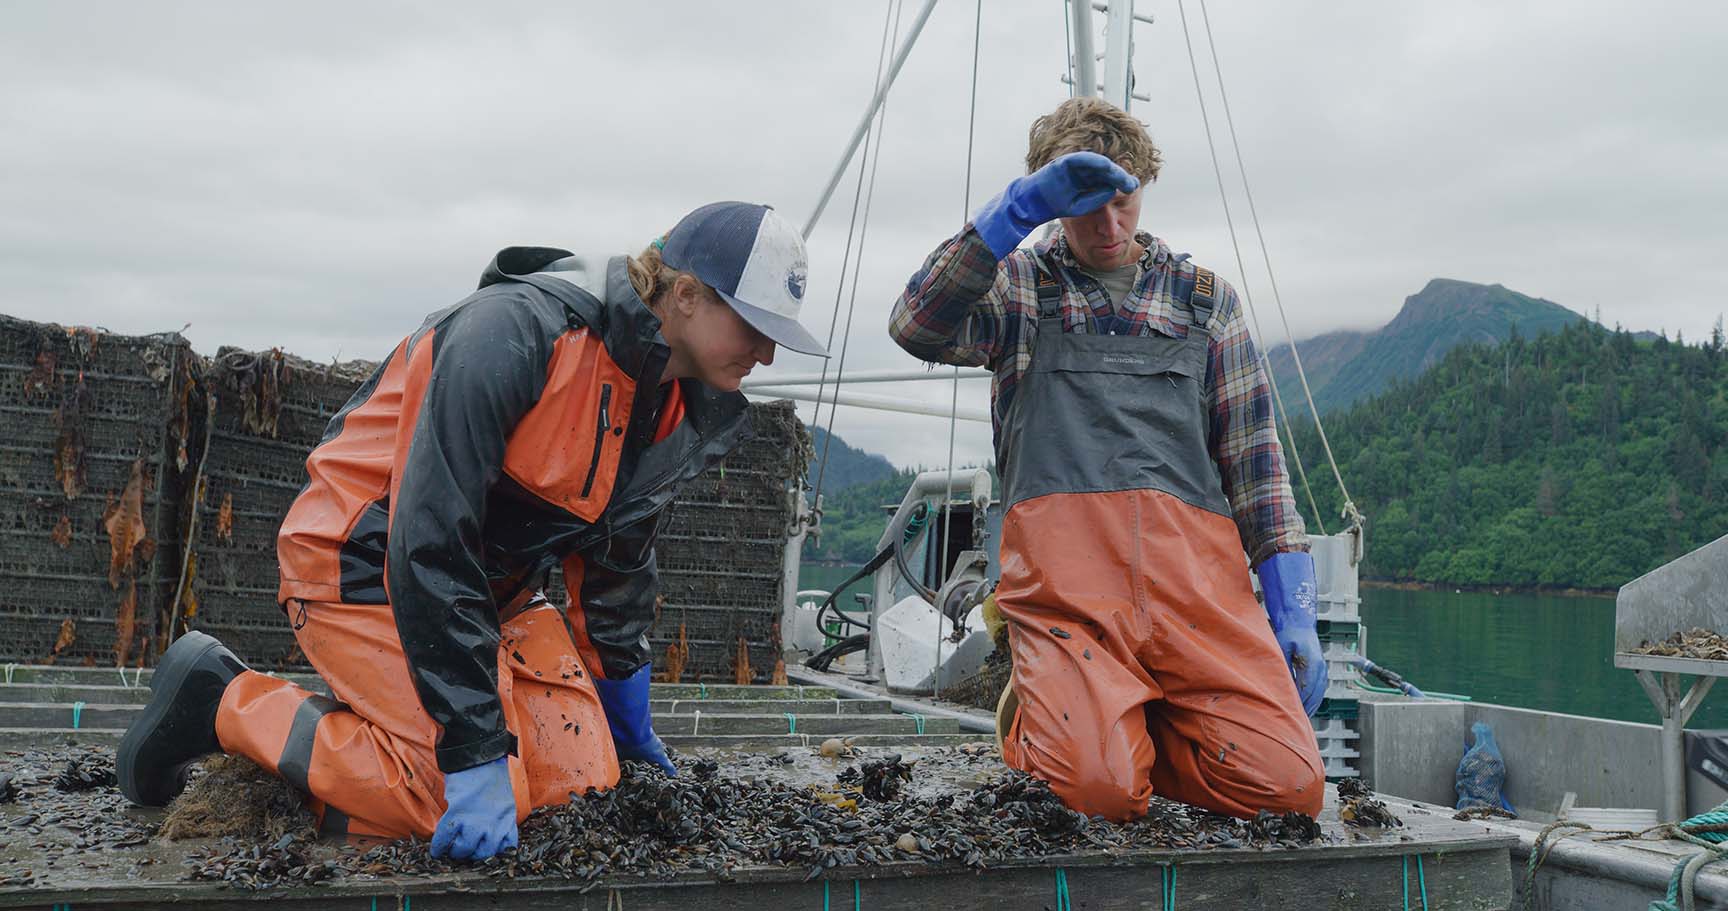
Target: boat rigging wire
[954, 397]
[1247, 295]
[1350, 512]
[890, 26]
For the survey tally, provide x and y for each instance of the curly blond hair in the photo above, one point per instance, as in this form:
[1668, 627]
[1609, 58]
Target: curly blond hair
[1093, 125]
[649, 274]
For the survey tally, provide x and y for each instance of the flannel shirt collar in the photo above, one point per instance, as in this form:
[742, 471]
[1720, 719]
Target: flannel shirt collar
[1054, 249]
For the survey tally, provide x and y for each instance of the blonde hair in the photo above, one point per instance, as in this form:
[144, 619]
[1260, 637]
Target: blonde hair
[649, 274]
[1093, 125]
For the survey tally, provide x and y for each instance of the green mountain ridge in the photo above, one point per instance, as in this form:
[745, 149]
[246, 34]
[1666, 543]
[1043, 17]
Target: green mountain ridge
[847, 466]
[1346, 366]
[1583, 458]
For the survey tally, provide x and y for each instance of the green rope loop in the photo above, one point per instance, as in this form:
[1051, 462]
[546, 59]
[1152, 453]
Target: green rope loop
[702, 691]
[1680, 883]
[77, 713]
[857, 897]
[1063, 901]
[791, 722]
[1168, 899]
[824, 895]
[918, 720]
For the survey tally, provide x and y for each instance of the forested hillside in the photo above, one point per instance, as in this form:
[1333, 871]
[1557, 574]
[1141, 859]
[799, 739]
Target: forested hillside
[853, 518]
[846, 465]
[1583, 458]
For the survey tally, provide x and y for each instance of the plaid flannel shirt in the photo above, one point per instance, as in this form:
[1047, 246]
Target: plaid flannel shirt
[965, 308]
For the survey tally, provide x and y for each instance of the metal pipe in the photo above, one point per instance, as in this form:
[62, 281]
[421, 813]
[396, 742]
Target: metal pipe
[968, 722]
[868, 376]
[870, 113]
[1118, 47]
[879, 403]
[1084, 66]
[1138, 17]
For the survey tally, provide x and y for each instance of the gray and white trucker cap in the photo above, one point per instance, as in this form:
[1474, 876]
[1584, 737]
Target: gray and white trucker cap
[755, 260]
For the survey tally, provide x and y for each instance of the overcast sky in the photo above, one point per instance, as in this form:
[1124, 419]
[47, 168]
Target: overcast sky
[318, 176]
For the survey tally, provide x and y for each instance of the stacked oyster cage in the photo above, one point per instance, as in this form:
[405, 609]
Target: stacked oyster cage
[142, 488]
[91, 478]
[722, 554]
[1337, 725]
[269, 410]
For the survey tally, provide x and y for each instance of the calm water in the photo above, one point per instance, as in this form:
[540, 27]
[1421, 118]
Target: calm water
[1538, 651]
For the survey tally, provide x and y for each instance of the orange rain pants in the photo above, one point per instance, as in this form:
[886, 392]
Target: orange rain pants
[1143, 663]
[367, 758]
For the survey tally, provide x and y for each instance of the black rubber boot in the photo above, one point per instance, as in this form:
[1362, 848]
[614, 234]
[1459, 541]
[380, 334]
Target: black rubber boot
[179, 724]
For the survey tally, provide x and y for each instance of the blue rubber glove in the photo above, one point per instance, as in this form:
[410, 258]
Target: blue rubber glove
[1074, 184]
[480, 815]
[1288, 581]
[626, 704]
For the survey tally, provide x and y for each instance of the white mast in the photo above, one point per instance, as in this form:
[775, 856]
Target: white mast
[1117, 86]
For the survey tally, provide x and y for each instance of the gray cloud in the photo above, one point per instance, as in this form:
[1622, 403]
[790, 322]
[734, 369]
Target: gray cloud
[321, 177]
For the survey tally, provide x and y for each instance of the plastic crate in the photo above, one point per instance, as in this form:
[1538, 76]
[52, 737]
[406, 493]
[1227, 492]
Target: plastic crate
[1342, 675]
[1338, 739]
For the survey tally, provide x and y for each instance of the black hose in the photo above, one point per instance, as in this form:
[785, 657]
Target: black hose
[822, 659]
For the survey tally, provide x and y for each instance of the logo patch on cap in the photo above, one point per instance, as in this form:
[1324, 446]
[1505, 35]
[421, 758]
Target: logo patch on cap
[795, 278]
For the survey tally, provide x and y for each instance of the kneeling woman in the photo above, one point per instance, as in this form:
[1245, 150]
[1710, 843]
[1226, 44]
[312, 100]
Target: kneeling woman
[546, 419]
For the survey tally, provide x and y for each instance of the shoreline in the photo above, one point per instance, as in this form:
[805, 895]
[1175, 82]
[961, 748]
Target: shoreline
[1488, 589]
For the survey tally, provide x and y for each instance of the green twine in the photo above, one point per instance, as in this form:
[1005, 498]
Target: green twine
[77, 713]
[824, 895]
[918, 720]
[1063, 901]
[791, 722]
[857, 897]
[702, 691]
[1421, 882]
[1169, 897]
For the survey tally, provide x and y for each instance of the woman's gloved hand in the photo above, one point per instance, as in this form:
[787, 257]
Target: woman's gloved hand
[480, 815]
[1287, 579]
[1074, 184]
[626, 704]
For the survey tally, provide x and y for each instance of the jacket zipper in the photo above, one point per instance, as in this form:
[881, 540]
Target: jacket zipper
[604, 424]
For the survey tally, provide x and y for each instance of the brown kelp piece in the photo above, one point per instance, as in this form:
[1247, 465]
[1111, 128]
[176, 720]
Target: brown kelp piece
[741, 671]
[125, 624]
[124, 521]
[69, 442]
[225, 518]
[62, 533]
[68, 636]
[779, 676]
[44, 376]
[257, 379]
[677, 654]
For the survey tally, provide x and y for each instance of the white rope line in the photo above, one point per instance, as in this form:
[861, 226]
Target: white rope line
[1242, 269]
[1351, 514]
